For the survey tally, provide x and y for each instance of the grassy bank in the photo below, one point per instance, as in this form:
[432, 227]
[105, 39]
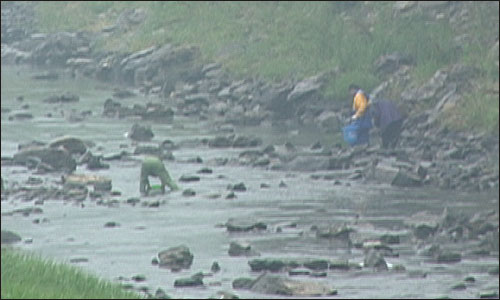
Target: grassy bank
[280, 40]
[26, 276]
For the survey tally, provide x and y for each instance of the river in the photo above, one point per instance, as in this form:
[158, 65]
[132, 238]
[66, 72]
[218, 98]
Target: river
[73, 231]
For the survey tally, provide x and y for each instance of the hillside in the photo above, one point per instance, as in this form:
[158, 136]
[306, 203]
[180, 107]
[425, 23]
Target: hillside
[292, 40]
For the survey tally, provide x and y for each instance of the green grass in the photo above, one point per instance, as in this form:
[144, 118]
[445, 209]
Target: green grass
[27, 276]
[291, 40]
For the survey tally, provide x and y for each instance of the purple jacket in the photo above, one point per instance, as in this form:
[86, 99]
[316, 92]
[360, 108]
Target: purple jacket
[384, 112]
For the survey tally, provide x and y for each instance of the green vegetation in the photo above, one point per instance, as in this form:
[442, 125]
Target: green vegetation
[291, 40]
[25, 276]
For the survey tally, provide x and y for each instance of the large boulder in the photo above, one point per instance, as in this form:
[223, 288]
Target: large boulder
[141, 133]
[277, 285]
[57, 159]
[176, 258]
[71, 144]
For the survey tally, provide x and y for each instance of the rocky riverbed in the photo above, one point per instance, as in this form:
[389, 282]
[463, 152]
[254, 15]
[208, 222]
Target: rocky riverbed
[247, 207]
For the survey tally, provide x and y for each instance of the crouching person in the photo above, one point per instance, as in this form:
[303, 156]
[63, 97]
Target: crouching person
[153, 166]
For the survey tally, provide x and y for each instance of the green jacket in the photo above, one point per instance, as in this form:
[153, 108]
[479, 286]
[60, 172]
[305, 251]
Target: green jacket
[153, 166]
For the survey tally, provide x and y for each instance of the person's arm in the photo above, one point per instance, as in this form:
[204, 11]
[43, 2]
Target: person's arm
[167, 180]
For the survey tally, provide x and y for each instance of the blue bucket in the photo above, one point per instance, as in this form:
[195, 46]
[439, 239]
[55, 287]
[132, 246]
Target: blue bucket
[351, 134]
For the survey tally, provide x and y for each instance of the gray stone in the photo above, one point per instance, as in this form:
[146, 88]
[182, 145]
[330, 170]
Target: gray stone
[9, 237]
[277, 285]
[176, 258]
[374, 259]
[58, 159]
[140, 133]
[233, 225]
[406, 179]
[71, 144]
[189, 178]
[243, 283]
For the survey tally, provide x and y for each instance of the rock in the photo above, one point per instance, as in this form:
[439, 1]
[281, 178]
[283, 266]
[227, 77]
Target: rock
[389, 239]
[406, 179]
[176, 258]
[189, 178]
[221, 142]
[9, 237]
[141, 133]
[339, 265]
[158, 113]
[188, 193]
[423, 224]
[215, 267]
[315, 265]
[374, 259]
[78, 260]
[71, 144]
[224, 295]
[299, 271]
[205, 171]
[139, 278]
[111, 224]
[305, 88]
[20, 116]
[244, 142]
[243, 283]
[335, 231]
[241, 249]
[160, 294]
[58, 159]
[239, 225]
[119, 93]
[277, 285]
[389, 63]
[488, 295]
[195, 280]
[64, 98]
[448, 257]
[240, 187]
[459, 286]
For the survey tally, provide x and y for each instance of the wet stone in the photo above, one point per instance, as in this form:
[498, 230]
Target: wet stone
[111, 224]
[215, 267]
[448, 257]
[194, 280]
[189, 178]
[319, 264]
[205, 171]
[224, 295]
[488, 295]
[242, 226]
[243, 283]
[139, 278]
[188, 193]
[176, 258]
[318, 274]
[9, 237]
[459, 286]
[273, 265]
[78, 260]
[297, 272]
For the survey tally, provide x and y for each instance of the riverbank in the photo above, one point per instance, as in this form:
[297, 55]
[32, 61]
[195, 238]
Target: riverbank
[25, 276]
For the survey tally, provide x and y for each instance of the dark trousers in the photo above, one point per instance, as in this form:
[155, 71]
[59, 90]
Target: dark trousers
[390, 134]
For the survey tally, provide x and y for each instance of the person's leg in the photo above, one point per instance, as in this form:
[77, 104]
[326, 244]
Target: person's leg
[393, 133]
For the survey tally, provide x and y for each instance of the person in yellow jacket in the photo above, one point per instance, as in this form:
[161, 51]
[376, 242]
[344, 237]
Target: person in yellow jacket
[153, 166]
[360, 116]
